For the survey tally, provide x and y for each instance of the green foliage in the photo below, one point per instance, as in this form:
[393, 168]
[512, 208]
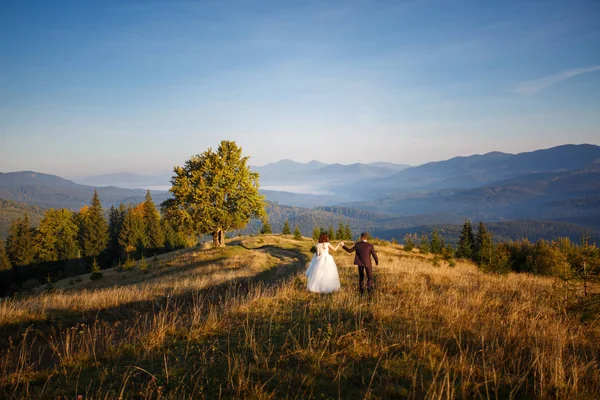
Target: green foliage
[170, 235]
[424, 245]
[286, 228]
[56, 238]
[216, 192]
[11, 210]
[128, 264]
[155, 236]
[96, 272]
[316, 233]
[436, 242]
[143, 265]
[483, 249]
[465, 241]
[297, 233]
[266, 227]
[93, 228]
[132, 234]
[331, 232]
[20, 243]
[409, 243]
[4, 261]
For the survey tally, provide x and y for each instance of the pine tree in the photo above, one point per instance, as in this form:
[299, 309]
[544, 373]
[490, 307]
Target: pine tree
[484, 248]
[4, 261]
[170, 235]
[93, 228]
[153, 229]
[115, 221]
[57, 236]
[131, 236]
[316, 233]
[465, 241]
[340, 234]
[266, 227]
[436, 242]
[331, 232]
[20, 244]
[347, 232]
[424, 245]
[297, 233]
[286, 228]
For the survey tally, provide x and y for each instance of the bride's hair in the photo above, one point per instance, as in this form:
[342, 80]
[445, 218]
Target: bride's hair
[323, 238]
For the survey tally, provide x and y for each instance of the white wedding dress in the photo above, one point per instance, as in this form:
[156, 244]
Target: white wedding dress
[322, 272]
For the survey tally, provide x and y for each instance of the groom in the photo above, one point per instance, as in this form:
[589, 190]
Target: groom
[364, 250]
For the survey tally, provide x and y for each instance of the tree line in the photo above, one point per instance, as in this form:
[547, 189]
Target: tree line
[575, 265]
[67, 243]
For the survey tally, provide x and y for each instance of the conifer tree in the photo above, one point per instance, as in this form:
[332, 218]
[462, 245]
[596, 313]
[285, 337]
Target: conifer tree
[4, 261]
[331, 232]
[347, 232]
[266, 227]
[286, 228]
[93, 228]
[424, 245]
[170, 235]
[115, 221]
[340, 234]
[57, 236]
[297, 233]
[316, 233]
[153, 230]
[436, 242]
[216, 192]
[132, 233]
[465, 241]
[484, 248]
[20, 244]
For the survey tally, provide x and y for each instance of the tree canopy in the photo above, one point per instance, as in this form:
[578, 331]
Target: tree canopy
[216, 191]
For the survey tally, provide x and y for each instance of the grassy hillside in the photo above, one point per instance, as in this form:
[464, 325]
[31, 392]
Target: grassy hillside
[238, 323]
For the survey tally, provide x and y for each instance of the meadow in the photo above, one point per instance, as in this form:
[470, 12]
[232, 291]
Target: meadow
[237, 322]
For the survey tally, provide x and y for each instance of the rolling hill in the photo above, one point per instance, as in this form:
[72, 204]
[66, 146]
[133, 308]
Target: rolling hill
[50, 191]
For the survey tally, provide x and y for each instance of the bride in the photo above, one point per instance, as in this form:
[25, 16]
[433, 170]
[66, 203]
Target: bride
[322, 272]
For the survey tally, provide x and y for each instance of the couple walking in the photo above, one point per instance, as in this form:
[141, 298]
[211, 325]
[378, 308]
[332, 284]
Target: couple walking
[322, 271]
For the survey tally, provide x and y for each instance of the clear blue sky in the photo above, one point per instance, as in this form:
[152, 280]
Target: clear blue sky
[90, 87]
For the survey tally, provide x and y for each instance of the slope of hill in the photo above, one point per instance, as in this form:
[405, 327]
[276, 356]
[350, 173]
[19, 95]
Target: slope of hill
[51, 191]
[479, 170]
[544, 196]
[238, 323]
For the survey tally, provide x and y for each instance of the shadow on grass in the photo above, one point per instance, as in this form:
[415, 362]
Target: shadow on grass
[59, 319]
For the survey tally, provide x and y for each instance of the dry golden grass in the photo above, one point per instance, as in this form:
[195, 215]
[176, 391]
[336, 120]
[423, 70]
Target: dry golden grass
[427, 332]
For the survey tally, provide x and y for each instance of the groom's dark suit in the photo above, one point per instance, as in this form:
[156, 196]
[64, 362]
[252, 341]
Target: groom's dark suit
[364, 250]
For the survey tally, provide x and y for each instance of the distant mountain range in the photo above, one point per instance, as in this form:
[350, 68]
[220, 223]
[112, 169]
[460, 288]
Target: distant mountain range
[50, 191]
[561, 184]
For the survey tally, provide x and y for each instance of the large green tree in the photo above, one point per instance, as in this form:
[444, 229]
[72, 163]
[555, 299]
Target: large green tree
[57, 236]
[20, 243]
[216, 192]
[93, 228]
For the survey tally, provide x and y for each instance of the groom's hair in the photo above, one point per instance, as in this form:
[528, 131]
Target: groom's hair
[364, 236]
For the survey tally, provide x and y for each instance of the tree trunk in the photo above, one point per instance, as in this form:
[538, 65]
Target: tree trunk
[218, 238]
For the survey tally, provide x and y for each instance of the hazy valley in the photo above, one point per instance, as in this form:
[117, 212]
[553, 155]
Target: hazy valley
[513, 192]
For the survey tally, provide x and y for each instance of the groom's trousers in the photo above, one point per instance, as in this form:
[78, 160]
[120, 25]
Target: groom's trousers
[361, 278]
